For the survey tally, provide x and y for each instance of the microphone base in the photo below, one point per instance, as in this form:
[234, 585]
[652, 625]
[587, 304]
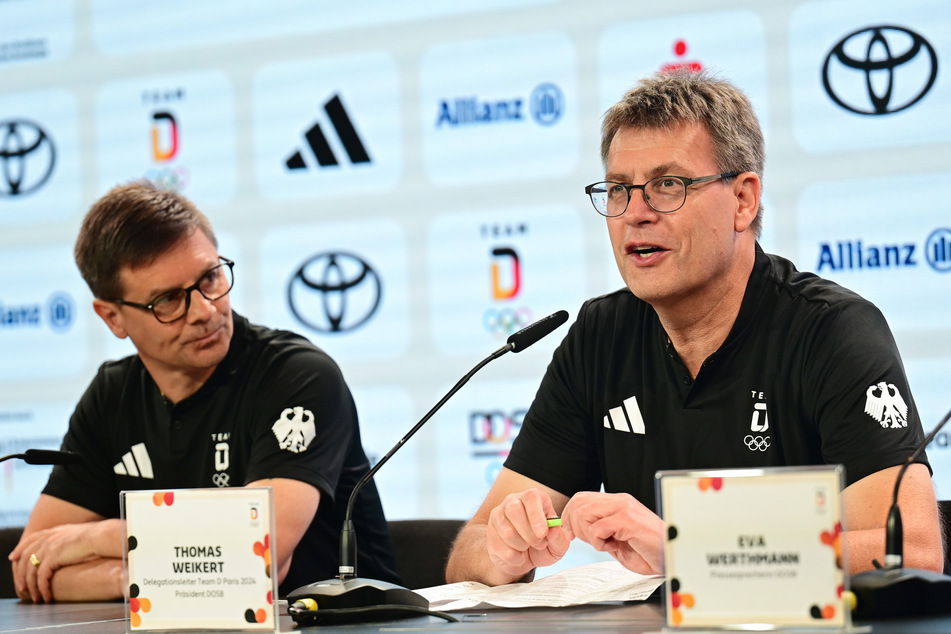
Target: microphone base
[355, 601]
[899, 592]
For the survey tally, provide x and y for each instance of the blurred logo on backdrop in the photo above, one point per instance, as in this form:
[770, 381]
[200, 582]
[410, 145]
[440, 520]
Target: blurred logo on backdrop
[860, 255]
[334, 292]
[547, 104]
[938, 250]
[506, 315]
[680, 51]
[490, 437]
[165, 139]
[320, 145]
[544, 105]
[165, 145]
[164, 136]
[879, 70]
[58, 314]
[941, 441]
[27, 157]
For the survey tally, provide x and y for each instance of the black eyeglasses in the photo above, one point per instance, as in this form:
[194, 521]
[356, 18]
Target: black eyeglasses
[664, 193]
[173, 305]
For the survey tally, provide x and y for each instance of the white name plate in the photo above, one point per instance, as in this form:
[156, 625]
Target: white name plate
[200, 559]
[754, 547]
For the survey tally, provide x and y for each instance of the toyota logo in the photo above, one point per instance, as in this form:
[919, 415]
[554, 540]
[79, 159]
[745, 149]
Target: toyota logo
[860, 71]
[334, 292]
[27, 156]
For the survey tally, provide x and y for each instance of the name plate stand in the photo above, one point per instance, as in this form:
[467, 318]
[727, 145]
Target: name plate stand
[200, 559]
[754, 548]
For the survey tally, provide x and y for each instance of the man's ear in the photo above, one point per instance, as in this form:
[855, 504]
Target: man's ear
[746, 187]
[110, 314]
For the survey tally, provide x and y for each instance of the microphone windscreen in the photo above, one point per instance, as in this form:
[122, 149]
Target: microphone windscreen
[50, 456]
[534, 332]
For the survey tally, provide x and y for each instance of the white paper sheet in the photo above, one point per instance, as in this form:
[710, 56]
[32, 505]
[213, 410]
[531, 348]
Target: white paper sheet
[603, 581]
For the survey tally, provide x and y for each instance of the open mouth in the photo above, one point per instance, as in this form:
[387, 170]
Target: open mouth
[644, 252]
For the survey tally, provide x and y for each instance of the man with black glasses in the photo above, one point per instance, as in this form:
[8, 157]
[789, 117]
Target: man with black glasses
[716, 355]
[209, 400]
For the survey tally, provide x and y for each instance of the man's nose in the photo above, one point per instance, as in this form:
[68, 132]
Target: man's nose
[200, 308]
[638, 210]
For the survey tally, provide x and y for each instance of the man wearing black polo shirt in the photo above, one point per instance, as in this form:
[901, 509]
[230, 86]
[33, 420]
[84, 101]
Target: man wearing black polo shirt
[209, 400]
[716, 355]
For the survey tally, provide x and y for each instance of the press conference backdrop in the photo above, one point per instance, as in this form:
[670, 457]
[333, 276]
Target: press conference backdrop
[426, 161]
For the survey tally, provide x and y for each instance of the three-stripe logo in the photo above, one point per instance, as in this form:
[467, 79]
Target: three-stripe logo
[320, 146]
[626, 417]
[135, 463]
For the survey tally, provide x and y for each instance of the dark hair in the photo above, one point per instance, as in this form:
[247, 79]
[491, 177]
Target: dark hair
[667, 99]
[131, 226]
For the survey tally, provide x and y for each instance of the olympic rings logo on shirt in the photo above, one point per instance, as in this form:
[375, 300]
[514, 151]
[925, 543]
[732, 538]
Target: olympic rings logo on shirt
[504, 321]
[756, 443]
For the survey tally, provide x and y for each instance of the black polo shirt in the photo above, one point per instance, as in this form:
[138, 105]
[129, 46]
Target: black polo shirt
[809, 374]
[275, 407]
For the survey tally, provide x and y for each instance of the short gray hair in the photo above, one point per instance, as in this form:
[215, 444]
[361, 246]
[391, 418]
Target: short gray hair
[667, 99]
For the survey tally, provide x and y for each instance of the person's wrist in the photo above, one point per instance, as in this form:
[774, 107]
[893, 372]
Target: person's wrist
[528, 577]
[118, 579]
[502, 576]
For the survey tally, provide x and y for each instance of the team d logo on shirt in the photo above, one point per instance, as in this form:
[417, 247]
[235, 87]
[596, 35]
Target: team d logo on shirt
[295, 429]
[885, 404]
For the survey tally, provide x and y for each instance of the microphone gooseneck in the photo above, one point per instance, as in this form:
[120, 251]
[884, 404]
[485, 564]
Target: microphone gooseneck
[516, 342]
[893, 590]
[894, 536]
[348, 539]
[349, 599]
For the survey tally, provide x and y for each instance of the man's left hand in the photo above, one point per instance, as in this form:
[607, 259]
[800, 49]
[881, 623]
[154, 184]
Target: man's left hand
[618, 524]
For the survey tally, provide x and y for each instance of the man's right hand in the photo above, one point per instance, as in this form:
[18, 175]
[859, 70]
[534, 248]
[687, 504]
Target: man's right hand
[509, 535]
[518, 538]
[61, 546]
[63, 537]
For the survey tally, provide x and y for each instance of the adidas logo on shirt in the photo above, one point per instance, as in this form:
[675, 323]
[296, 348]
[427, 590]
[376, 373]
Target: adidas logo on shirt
[627, 417]
[135, 463]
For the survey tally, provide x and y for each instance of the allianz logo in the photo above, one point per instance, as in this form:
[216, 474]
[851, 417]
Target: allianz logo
[545, 106]
[58, 313]
[855, 255]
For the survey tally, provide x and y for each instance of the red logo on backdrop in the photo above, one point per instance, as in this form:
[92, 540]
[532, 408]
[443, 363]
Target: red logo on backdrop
[680, 50]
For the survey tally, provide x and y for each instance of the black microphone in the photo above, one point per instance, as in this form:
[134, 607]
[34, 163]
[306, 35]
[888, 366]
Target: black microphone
[349, 599]
[46, 456]
[534, 332]
[892, 590]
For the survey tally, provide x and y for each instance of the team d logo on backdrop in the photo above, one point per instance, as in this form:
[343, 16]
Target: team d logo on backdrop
[492, 272]
[176, 130]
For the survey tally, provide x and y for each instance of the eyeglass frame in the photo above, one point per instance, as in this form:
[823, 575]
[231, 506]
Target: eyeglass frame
[687, 181]
[188, 293]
